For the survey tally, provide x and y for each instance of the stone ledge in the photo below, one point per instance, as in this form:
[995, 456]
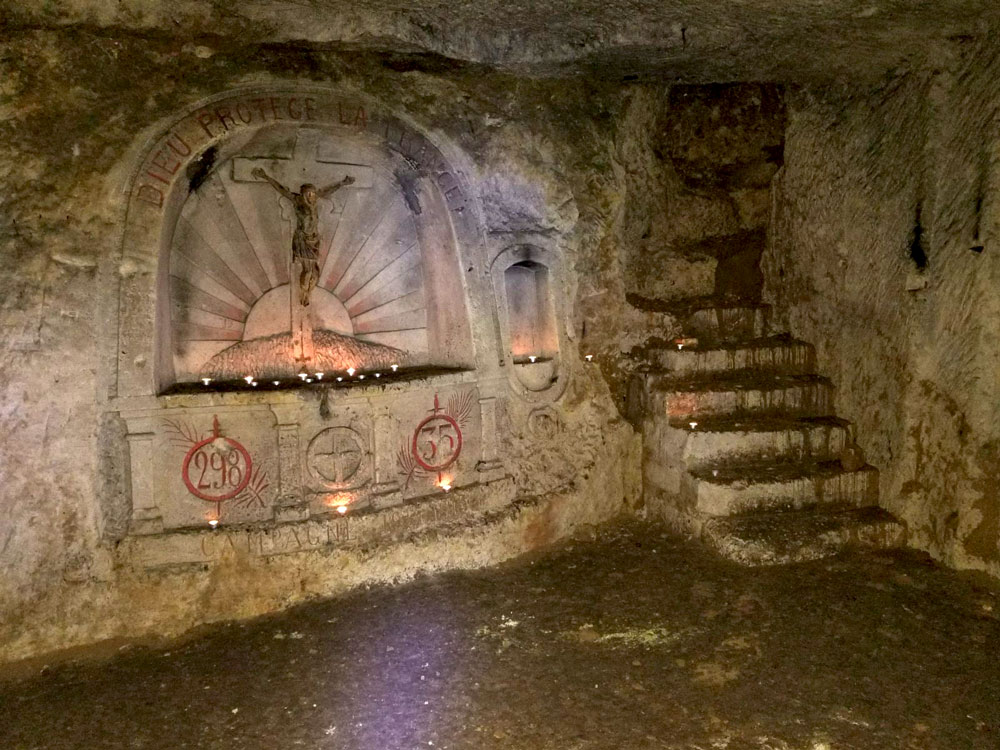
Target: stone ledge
[199, 547]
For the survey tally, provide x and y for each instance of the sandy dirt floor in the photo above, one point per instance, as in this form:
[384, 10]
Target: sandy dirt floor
[629, 639]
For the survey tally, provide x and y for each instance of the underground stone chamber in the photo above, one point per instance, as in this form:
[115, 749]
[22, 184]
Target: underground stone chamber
[301, 302]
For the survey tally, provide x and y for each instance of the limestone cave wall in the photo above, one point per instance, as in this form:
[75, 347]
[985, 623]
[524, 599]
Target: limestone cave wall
[78, 108]
[642, 190]
[710, 154]
[884, 254]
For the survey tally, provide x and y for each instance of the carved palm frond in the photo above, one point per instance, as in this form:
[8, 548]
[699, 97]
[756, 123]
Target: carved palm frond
[181, 433]
[460, 406]
[253, 493]
[408, 465]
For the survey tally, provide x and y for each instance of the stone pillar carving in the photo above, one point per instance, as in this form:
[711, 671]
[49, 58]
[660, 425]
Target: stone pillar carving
[291, 504]
[489, 461]
[385, 465]
[146, 517]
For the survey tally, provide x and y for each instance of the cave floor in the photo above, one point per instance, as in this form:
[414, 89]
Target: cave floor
[628, 639]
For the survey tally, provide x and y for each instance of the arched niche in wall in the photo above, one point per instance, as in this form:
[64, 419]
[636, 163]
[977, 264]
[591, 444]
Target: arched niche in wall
[527, 287]
[229, 291]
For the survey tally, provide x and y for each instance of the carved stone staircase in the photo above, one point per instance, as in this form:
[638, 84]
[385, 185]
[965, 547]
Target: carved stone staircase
[741, 446]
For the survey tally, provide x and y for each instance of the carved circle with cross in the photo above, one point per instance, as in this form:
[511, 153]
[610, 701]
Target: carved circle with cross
[336, 456]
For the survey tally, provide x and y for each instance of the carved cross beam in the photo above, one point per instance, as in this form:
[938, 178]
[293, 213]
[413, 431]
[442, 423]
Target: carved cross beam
[313, 159]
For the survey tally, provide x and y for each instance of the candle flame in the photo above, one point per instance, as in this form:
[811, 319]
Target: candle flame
[319, 376]
[394, 367]
[248, 378]
[339, 501]
[350, 371]
[206, 381]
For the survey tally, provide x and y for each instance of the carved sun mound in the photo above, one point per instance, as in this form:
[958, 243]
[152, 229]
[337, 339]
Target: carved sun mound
[272, 357]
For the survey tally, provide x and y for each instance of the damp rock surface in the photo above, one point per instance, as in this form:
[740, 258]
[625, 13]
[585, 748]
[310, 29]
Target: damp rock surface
[627, 638]
[720, 41]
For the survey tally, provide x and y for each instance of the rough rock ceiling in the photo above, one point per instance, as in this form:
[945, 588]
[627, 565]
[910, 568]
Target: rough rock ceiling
[698, 40]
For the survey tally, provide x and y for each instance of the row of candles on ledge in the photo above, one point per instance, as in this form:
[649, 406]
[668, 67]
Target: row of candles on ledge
[307, 378]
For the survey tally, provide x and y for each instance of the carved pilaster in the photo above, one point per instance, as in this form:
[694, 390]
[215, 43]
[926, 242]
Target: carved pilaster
[146, 516]
[387, 485]
[291, 504]
[489, 461]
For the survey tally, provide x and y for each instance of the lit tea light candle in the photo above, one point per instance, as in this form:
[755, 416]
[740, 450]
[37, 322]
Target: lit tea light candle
[253, 383]
[341, 509]
[340, 379]
[693, 424]
[589, 357]
[378, 374]
[361, 377]
[319, 376]
[206, 381]
[680, 346]
[350, 371]
[445, 484]
[277, 382]
[394, 367]
[303, 375]
[249, 379]
[532, 358]
[309, 380]
[213, 523]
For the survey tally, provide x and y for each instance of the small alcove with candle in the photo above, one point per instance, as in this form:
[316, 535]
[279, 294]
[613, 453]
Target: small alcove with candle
[531, 316]
[526, 286]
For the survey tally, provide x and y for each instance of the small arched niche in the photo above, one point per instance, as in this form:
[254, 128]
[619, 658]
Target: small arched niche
[526, 284]
[532, 320]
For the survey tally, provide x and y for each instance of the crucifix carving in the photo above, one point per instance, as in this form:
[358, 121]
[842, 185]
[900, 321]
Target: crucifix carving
[308, 166]
[305, 241]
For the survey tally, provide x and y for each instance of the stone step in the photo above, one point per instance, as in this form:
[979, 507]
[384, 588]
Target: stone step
[750, 438]
[773, 354]
[731, 488]
[739, 392]
[727, 323]
[782, 538]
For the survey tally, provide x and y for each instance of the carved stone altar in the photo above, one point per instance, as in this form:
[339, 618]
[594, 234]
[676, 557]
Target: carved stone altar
[254, 415]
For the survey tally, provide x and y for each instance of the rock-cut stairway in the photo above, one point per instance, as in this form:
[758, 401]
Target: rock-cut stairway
[741, 445]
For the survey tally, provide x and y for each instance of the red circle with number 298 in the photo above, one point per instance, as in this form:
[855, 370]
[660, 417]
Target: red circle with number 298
[220, 474]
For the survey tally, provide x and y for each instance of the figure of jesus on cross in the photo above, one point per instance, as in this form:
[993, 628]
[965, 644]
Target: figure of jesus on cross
[305, 241]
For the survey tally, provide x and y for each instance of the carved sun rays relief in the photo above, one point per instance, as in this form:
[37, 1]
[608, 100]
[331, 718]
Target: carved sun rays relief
[233, 282]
